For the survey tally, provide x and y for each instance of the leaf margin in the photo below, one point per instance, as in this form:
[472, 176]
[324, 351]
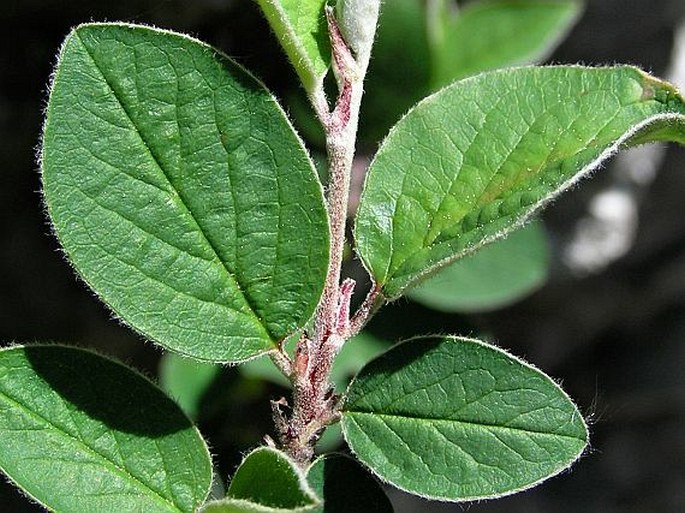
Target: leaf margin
[297, 53]
[660, 122]
[67, 255]
[138, 375]
[564, 468]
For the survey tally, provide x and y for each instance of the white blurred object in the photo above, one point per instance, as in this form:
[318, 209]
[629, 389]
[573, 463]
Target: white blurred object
[608, 230]
[605, 234]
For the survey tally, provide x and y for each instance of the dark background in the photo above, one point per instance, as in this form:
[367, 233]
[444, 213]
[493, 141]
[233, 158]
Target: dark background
[615, 339]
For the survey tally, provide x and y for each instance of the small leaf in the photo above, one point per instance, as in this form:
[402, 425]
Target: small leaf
[495, 276]
[181, 193]
[455, 419]
[358, 20]
[346, 487]
[300, 26]
[488, 35]
[186, 380]
[270, 480]
[267, 481]
[83, 433]
[236, 506]
[475, 160]
[242, 506]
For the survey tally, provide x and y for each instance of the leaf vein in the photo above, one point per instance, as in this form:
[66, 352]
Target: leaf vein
[108, 462]
[410, 417]
[182, 200]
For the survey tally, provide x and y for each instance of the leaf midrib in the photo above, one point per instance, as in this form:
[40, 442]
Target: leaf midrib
[183, 203]
[122, 471]
[406, 276]
[455, 421]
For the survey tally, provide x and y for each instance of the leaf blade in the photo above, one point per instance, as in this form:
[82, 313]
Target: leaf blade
[99, 446]
[243, 506]
[270, 478]
[173, 178]
[186, 381]
[301, 29]
[455, 419]
[495, 34]
[474, 161]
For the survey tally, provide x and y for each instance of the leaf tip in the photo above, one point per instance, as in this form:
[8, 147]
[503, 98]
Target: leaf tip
[659, 90]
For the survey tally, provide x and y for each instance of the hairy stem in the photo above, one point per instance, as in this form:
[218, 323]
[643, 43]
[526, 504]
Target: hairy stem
[315, 405]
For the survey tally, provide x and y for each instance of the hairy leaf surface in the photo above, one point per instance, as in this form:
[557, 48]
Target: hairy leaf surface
[81, 433]
[236, 506]
[267, 481]
[300, 26]
[181, 193]
[475, 160]
[242, 506]
[456, 419]
[268, 477]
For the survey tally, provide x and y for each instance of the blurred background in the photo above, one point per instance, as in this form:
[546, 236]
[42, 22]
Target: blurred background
[607, 320]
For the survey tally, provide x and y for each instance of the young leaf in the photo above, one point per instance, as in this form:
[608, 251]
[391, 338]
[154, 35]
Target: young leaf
[495, 276]
[455, 419]
[358, 20]
[267, 481]
[181, 193]
[300, 26]
[475, 160]
[83, 433]
[346, 487]
[488, 35]
[186, 380]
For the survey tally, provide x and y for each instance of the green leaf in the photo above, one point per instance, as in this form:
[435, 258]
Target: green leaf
[488, 35]
[495, 276]
[186, 380]
[475, 160]
[390, 90]
[241, 506]
[181, 193]
[81, 433]
[300, 26]
[269, 478]
[267, 481]
[455, 419]
[346, 487]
